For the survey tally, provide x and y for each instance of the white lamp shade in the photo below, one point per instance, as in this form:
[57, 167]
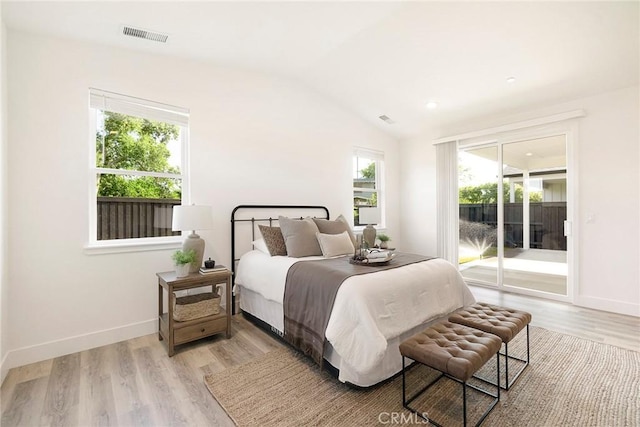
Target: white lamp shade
[191, 217]
[369, 216]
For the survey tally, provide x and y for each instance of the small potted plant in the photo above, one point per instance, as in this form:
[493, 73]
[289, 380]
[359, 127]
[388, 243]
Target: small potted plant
[383, 241]
[183, 260]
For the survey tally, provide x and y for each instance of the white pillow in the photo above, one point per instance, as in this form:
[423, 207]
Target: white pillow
[335, 244]
[340, 224]
[261, 246]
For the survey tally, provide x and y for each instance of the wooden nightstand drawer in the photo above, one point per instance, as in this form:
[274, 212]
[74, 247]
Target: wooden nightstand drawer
[190, 333]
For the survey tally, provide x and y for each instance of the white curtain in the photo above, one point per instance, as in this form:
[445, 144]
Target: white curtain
[447, 200]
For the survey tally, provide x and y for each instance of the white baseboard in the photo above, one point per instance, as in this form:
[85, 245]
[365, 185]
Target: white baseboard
[3, 369]
[621, 307]
[36, 353]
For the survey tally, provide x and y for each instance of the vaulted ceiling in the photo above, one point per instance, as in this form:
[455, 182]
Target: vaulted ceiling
[382, 58]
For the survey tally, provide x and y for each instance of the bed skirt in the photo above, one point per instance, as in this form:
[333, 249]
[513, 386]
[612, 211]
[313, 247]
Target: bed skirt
[272, 314]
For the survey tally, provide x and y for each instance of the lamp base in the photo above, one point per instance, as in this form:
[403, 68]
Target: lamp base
[369, 235]
[195, 243]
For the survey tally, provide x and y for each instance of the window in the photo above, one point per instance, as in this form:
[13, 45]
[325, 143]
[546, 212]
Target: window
[368, 170]
[138, 168]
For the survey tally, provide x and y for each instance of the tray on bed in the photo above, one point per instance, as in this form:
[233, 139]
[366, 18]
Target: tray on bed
[372, 261]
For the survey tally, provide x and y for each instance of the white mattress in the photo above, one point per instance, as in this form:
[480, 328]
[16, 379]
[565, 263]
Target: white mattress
[372, 313]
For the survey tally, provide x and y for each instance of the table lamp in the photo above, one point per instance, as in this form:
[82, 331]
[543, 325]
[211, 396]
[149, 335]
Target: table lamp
[369, 216]
[192, 217]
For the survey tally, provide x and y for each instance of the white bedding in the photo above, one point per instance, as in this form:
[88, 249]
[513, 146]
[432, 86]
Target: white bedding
[370, 310]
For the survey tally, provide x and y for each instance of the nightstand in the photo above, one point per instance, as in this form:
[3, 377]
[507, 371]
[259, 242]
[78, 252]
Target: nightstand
[176, 333]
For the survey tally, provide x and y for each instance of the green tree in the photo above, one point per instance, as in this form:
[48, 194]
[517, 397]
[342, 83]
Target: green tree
[373, 200]
[488, 193]
[136, 144]
[369, 172]
[483, 193]
[535, 196]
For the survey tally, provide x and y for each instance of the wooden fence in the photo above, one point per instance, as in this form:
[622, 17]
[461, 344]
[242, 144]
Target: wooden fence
[546, 222]
[128, 217]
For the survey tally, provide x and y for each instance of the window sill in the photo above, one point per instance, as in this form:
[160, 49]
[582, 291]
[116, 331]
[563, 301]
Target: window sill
[133, 245]
[379, 229]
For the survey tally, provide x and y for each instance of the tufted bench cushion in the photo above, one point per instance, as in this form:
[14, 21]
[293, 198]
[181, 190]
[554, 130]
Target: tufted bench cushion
[451, 348]
[503, 322]
[500, 321]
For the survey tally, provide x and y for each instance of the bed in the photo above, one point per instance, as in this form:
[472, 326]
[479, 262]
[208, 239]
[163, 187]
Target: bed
[371, 314]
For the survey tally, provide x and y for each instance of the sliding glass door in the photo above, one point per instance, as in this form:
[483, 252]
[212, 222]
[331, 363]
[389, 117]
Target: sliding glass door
[512, 212]
[535, 249]
[478, 206]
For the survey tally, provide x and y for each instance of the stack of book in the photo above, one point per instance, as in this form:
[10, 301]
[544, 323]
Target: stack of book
[216, 269]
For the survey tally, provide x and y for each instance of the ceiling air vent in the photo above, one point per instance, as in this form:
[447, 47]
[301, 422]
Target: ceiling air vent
[144, 34]
[386, 119]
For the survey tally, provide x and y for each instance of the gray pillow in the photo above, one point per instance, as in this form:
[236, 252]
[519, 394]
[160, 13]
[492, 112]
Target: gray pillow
[300, 236]
[339, 225]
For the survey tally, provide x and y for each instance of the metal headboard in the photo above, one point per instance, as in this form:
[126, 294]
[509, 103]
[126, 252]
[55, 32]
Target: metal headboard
[237, 219]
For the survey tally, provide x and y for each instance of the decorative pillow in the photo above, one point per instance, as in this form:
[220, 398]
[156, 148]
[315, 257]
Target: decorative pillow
[300, 236]
[338, 226]
[261, 246]
[274, 240]
[335, 244]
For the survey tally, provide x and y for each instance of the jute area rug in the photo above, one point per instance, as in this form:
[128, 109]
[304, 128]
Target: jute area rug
[570, 382]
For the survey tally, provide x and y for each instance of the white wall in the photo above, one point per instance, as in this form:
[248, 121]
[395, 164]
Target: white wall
[254, 139]
[608, 189]
[4, 283]
[418, 202]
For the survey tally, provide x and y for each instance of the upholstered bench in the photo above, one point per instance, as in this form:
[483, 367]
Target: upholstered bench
[503, 322]
[456, 351]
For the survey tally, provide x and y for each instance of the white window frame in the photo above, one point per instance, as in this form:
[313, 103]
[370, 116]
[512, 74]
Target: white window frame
[109, 101]
[378, 157]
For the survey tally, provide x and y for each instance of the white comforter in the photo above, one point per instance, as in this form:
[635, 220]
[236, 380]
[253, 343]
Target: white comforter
[369, 309]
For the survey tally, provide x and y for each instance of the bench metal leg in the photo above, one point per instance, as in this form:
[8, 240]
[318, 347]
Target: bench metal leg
[464, 404]
[494, 402]
[506, 366]
[506, 363]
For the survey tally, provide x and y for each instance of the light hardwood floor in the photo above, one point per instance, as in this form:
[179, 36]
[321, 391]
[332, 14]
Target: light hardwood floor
[134, 383]
[600, 326]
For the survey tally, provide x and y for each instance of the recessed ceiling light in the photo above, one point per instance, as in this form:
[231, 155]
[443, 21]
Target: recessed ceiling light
[529, 154]
[511, 79]
[432, 105]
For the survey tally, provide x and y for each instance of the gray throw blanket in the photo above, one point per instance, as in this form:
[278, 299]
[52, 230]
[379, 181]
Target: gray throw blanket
[309, 293]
